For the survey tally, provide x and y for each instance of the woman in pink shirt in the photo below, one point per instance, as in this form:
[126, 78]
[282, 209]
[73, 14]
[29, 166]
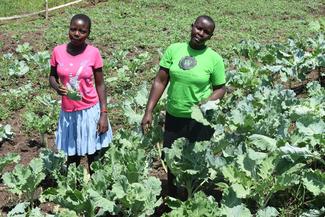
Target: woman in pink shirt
[77, 75]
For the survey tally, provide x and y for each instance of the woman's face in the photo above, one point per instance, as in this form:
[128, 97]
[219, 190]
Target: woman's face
[78, 31]
[202, 30]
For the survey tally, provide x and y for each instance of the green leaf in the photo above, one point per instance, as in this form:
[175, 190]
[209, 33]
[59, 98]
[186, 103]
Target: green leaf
[10, 158]
[267, 167]
[262, 142]
[36, 165]
[247, 165]
[314, 181]
[314, 26]
[71, 192]
[187, 161]
[198, 115]
[25, 179]
[237, 211]
[133, 117]
[238, 117]
[139, 198]
[119, 188]
[300, 110]
[53, 162]
[285, 181]
[199, 205]
[229, 173]
[142, 95]
[255, 155]
[153, 184]
[111, 79]
[314, 213]
[274, 69]
[99, 201]
[209, 105]
[36, 212]
[66, 213]
[18, 210]
[241, 192]
[267, 212]
[230, 198]
[5, 132]
[173, 203]
[311, 128]
[295, 151]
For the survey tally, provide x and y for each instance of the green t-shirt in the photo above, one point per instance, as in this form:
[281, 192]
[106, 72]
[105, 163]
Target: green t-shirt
[192, 74]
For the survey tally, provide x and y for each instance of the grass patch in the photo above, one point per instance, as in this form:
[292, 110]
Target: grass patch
[17, 7]
[151, 25]
[155, 24]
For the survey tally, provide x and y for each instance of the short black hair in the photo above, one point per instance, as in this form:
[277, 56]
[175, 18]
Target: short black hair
[206, 17]
[82, 17]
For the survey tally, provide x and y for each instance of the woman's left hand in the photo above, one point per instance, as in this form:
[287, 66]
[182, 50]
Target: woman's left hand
[102, 126]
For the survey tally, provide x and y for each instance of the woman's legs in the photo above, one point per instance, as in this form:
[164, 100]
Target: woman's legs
[90, 158]
[175, 128]
[74, 159]
[182, 127]
[185, 127]
[94, 157]
[199, 132]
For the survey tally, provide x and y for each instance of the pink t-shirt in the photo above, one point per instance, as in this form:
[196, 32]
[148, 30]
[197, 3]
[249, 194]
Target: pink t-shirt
[76, 73]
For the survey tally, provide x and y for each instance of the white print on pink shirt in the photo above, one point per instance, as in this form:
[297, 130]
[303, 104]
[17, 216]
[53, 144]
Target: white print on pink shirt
[73, 83]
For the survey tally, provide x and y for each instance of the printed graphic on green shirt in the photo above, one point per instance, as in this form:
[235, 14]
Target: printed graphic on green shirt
[187, 62]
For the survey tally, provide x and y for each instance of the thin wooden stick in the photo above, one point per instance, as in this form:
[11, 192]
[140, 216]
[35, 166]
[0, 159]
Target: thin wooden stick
[46, 9]
[39, 12]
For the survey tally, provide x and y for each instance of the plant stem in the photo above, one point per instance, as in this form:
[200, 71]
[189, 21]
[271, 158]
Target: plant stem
[268, 197]
[44, 139]
[197, 188]
[188, 185]
[31, 201]
[160, 154]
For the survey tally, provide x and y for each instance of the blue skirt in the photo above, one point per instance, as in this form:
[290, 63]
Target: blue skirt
[77, 132]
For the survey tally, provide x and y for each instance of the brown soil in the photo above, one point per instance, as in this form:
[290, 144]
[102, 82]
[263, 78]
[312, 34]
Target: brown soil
[317, 12]
[10, 42]
[300, 87]
[28, 147]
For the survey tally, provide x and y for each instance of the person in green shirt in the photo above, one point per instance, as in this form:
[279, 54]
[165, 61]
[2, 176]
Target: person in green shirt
[195, 74]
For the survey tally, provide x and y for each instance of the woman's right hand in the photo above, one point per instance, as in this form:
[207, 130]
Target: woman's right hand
[157, 89]
[62, 90]
[146, 122]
